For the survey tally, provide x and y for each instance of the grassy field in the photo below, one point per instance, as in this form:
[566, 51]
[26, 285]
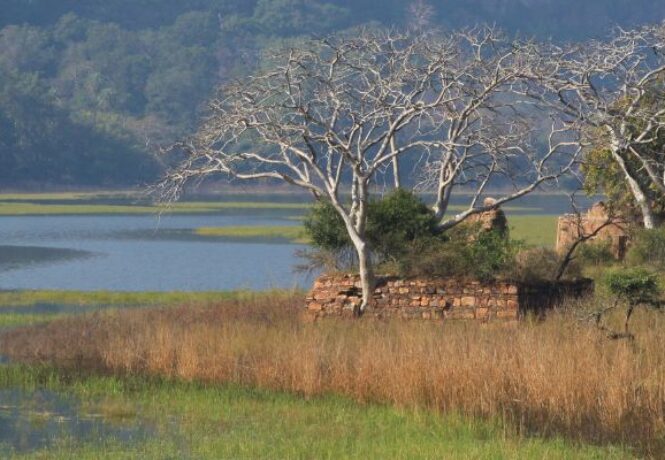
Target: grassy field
[193, 420]
[558, 378]
[292, 234]
[133, 202]
[533, 230]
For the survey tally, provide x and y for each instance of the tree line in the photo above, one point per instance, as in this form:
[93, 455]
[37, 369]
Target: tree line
[89, 90]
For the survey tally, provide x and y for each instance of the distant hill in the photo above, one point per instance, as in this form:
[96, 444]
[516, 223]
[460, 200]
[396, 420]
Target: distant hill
[89, 89]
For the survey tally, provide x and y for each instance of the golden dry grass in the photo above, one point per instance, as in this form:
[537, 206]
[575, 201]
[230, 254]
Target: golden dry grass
[557, 376]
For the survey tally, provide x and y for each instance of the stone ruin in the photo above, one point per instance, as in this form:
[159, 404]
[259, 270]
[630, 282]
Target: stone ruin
[443, 299]
[572, 226]
[493, 219]
[440, 299]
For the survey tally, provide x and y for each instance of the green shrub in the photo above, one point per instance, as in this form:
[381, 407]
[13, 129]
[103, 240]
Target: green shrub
[392, 223]
[596, 252]
[325, 228]
[540, 264]
[634, 285]
[463, 251]
[648, 248]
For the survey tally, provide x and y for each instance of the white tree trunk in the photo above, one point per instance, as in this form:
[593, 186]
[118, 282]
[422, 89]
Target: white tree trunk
[639, 195]
[366, 274]
[395, 163]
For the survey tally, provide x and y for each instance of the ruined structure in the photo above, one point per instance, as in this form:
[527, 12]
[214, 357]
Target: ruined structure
[440, 298]
[494, 219]
[573, 226]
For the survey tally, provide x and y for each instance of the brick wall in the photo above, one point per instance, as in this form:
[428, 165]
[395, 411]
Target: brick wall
[439, 298]
[571, 227]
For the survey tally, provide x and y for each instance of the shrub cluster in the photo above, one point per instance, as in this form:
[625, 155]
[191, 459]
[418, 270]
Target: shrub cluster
[401, 231]
[634, 285]
[648, 248]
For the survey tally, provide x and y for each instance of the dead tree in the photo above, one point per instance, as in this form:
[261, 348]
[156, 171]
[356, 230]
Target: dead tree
[489, 133]
[332, 117]
[615, 89]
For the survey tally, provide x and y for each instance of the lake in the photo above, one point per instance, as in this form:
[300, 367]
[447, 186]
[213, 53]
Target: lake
[143, 253]
[161, 253]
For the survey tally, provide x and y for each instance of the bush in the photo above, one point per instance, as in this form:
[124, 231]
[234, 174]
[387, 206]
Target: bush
[648, 248]
[392, 223]
[634, 285]
[597, 252]
[540, 264]
[462, 251]
[401, 231]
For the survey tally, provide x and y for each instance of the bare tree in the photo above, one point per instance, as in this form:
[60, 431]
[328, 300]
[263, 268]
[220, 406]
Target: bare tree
[615, 89]
[420, 16]
[332, 117]
[489, 132]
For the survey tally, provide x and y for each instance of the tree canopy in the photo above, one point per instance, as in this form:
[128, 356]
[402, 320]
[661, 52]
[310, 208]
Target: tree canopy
[130, 75]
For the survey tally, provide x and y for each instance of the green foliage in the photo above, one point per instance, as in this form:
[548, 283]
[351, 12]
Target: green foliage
[648, 248]
[596, 252]
[325, 227]
[131, 75]
[633, 285]
[401, 231]
[539, 264]
[399, 218]
[392, 222]
[464, 251]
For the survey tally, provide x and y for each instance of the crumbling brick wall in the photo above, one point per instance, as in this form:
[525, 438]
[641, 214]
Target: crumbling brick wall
[572, 226]
[438, 298]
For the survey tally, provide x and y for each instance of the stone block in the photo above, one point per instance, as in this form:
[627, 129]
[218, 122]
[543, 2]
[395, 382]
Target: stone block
[314, 306]
[468, 301]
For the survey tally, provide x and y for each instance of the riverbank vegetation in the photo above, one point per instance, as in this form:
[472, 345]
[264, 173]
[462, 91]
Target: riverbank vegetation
[560, 377]
[211, 421]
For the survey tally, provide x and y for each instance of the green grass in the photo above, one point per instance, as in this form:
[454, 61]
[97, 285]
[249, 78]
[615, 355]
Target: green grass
[17, 300]
[27, 208]
[294, 234]
[197, 421]
[123, 299]
[534, 230]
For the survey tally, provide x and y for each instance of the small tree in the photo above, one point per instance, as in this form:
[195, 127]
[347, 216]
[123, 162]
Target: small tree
[635, 286]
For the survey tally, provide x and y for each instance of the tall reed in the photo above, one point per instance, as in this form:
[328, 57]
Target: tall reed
[551, 377]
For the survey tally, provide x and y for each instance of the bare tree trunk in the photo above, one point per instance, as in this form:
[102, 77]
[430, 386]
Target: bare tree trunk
[443, 195]
[636, 189]
[395, 163]
[366, 273]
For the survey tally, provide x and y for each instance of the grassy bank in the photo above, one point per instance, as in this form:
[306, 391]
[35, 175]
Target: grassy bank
[292, 234]
[28, 208]
[555, 378]
[533, 230]
[18, 308]
[192, 420]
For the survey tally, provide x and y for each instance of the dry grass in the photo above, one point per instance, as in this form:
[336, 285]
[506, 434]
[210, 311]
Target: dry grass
[550, 377]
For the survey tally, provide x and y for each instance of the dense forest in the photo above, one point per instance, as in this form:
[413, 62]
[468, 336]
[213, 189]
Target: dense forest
[90, 89]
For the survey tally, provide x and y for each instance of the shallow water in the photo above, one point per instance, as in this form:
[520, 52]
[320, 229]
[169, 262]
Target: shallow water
[31, 420]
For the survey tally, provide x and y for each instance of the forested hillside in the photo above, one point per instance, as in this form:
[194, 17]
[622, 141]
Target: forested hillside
[89, 89]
